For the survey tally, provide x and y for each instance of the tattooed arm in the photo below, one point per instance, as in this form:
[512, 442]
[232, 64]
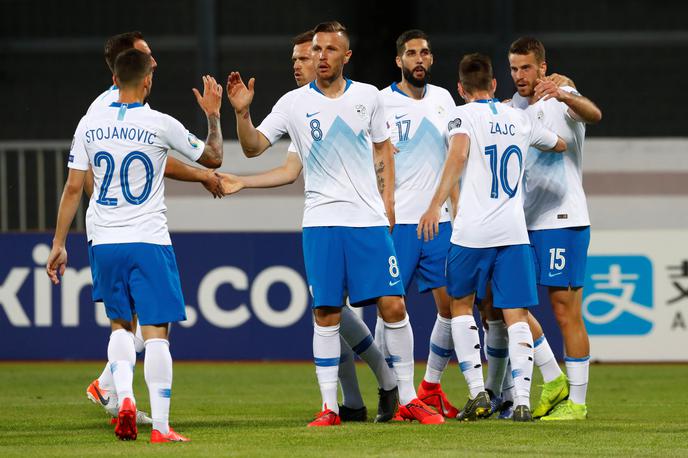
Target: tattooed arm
[383, 158]
[210, 102]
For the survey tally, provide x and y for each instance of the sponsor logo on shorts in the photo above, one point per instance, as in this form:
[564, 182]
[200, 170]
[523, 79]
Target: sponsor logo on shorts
[392, 283]
[618, 295]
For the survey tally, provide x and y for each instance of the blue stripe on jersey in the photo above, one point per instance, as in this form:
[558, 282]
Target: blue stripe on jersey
[128, 105]
[122, 111]
[395, 88]
[498, 352]
[363, 345]
[326, 362]
[486, 101]
[443, 352]
[317, 89]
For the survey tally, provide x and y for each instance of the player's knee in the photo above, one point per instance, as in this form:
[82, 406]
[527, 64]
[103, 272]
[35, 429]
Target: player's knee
[393, 310]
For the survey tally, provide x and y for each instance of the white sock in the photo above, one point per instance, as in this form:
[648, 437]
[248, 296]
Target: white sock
[577, 370]
[497, 355]
[356, 333]
[467, 347]
[508, 384]
[441, 349]
[122, 357]
[380, 341]
[521, 357]
[399, 340]
[105, 380]
[326, 352]
[351, 393]
[545, 360]
[157, 369]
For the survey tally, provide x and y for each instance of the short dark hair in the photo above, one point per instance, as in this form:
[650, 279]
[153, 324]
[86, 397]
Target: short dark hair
[526, 45]
[475, 72]
[409, 35]
[304, 37]
[117, 44]
[331, 27]
[131, 66]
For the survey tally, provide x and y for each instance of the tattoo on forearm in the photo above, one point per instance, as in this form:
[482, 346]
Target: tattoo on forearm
[213, 143]
[247, 114]
[379, 169]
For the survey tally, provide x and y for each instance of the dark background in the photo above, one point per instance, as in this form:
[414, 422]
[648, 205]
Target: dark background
[627, 56]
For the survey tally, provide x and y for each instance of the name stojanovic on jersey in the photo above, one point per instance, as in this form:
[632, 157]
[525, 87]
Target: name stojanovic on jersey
[418, 130]
[126, 146]
[490, 201]
[333, 138]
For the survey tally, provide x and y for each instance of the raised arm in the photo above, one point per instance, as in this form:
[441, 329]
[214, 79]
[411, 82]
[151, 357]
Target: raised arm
[177, 170]
[210, 102]
[580, 108]
[383, 158]
[429, 224]
[253, 143]
[71, 196]
[279, 176]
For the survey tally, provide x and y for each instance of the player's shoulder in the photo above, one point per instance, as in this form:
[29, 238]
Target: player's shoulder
[439, 92]
[363, 88]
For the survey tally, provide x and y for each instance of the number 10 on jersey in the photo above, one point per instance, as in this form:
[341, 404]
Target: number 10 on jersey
[500, 175]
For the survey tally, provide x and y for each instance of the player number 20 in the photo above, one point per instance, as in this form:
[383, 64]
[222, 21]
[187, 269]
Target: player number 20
[501, 175]
[393, 267]
[104, 156]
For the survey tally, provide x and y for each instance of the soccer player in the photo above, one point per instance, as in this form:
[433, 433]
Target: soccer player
[558, 225]
[355, 337]
[417, 113]
[101, 390]
[126, 145]
[340, 131]
[489, 239]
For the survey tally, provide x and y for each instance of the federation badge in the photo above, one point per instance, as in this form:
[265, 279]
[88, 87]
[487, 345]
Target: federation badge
[454, 124]
[362, 111]
[540, 115]
[441, 111]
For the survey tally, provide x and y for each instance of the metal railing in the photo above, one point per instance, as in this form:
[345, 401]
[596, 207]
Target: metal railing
[32, 176]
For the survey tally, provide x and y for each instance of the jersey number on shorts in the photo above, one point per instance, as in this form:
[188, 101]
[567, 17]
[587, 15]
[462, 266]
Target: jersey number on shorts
[393, 267]
[501, 175]
[104, 156]
[556, 258]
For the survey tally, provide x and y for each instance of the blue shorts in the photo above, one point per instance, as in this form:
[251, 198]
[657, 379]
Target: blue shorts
[358, 262]
[509, 268]
[560, 255]
[95, 294]
[426, 261]
[139, 278]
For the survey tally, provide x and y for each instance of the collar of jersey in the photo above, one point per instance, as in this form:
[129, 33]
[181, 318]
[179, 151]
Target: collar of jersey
[129, 105]
[114, 87]
[487, 100]
[316, 89]
[395, 88]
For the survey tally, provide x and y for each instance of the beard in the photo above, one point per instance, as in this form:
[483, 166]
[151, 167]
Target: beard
[408, 76]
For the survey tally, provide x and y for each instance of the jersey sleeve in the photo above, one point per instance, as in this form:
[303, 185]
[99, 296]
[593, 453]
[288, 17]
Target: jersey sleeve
[379, 125]
[178, 138]
[541, 137]
[565, 108]
[457, 123]
[78, 157]
[276, 123]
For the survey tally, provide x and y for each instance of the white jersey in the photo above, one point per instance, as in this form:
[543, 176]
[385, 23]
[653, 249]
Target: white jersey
[104, 100]
[333, 138]
[491, 200]
[553, 182]
[418, 130]
[126, 147]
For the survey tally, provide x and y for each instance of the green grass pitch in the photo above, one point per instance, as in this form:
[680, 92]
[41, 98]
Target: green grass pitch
[261, 409]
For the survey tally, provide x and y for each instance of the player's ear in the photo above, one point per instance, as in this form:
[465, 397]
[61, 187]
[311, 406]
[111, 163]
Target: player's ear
[347, 56]
[543, 68]
[114, 80]
[398, 61]
[462, 93]
[494, 85]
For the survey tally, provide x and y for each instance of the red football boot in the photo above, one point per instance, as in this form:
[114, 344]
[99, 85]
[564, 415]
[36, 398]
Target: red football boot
[125, 428]
[158, 438]
[419, 411]
[432, 395]
[326, 418]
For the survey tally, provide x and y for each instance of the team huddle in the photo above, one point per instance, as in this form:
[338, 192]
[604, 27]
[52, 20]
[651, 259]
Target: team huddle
[479, 203]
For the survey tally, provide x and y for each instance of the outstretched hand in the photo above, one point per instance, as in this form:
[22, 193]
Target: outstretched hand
[211, 100]
[238, 94]
[231, 184]
[213, 183]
